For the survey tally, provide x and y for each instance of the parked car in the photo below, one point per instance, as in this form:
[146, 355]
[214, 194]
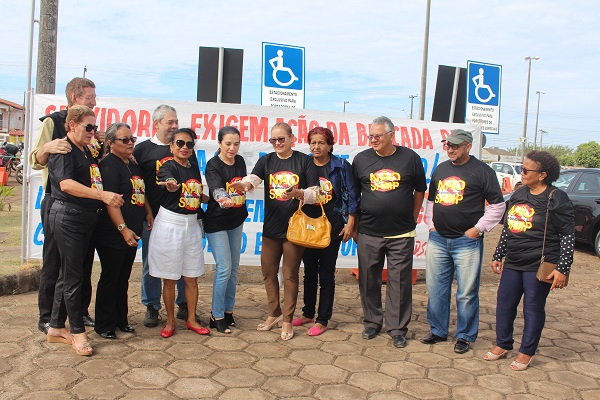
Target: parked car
[510, 170]
[583, 187]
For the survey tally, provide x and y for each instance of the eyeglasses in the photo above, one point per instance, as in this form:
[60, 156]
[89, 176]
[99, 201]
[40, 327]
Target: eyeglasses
[378, 136]
[180, 143]
[90, 127]
[126, 140]
[452, 146]
[525, 171]
[274, 140]
[89, 97]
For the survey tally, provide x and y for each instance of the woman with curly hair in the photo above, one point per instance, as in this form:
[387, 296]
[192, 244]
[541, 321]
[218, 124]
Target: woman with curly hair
[522, 246]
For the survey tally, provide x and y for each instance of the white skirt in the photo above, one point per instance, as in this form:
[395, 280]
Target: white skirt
[175, 246]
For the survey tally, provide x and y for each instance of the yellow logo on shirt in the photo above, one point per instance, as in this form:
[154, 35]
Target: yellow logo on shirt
[159, 164]
[238, 197]
[385, 180]
[95, 177]
[450, 191]
[519, 218]
[325, 191]
[280, 182]
[138, 191]
[191, 195]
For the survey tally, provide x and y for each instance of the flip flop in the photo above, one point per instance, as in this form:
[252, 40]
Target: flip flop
[315, 331]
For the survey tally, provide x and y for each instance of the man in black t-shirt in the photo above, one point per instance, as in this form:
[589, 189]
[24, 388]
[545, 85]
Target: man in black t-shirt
[457, 217]
[392, 182]
[150, 155]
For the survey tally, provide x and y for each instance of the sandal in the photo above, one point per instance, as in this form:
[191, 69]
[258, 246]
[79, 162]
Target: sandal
[520, 366]
[83, 348]
[229, 319]
[219, 324]
[301, 321]
[287, 335]
[316, 331]
[490, 356]
[267, 327]
[59, 339]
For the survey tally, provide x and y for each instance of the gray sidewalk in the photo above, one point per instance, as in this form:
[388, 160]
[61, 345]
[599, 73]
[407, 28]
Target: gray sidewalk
[337, 365]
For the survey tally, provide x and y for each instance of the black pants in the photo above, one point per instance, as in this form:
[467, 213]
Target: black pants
[51, 268]
[111, 294]
[72, 228]
[319, 270]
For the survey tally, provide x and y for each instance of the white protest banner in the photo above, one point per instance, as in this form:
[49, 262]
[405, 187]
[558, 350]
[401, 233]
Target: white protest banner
[254, 123]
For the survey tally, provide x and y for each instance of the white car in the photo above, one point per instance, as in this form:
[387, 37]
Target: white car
[510, 170]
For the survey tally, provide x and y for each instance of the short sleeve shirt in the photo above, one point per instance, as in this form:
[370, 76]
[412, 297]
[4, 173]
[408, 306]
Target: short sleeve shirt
[188, 198]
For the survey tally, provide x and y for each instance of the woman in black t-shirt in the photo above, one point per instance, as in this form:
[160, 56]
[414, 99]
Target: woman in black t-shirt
[78, 200]
[287, 175]
[224, 223]
[118, 231]
[175, 246]
[521, 245]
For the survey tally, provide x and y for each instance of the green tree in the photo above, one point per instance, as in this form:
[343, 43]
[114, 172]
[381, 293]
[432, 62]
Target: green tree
[588, 155]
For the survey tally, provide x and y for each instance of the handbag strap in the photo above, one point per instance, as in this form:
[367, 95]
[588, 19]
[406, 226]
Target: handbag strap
[546, 224]
[321, 204]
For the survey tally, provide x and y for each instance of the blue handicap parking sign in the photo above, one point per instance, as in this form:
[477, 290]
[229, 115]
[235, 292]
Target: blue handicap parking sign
[283, 66]
[484, 83]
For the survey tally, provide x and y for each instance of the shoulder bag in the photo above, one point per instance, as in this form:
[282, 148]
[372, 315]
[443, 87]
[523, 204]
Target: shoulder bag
[313, 233]
[546, 268]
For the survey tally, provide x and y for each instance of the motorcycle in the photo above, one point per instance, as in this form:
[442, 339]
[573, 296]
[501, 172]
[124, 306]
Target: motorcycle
[19, 172]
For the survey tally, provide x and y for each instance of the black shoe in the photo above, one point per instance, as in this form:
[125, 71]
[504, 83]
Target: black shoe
[43, 327]
[461, 346]
[127, 329]
[229, 319]
[88, 321]
[432, 338]
[399, 341]
[182, 312]
[369, 333]
[108, 335]
[219, 324]
[151, 318]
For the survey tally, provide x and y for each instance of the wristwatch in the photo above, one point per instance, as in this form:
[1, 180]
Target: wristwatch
[120, 227]
[479, 231]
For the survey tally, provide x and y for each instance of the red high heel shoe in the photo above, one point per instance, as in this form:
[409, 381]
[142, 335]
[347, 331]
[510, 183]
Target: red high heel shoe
[199, 331]
[166, 333]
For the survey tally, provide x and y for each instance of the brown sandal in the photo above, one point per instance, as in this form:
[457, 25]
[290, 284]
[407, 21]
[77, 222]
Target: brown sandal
[59, 339]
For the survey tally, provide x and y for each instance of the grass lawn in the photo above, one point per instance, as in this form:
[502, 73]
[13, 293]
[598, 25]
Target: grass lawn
[10, 242]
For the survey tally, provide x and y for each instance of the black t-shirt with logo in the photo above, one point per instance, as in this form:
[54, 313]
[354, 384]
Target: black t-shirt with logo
[524, 225]
[328, 199]
[124, 179]
[188, 198]
[387, 190]
[220, 175]
[296, 171]
[80, 166]
[150, 156]
[459, 193]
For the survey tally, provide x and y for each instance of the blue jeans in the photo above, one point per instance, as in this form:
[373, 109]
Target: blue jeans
[445, 257]
[514, 285]
[225, 247]
[151, 286]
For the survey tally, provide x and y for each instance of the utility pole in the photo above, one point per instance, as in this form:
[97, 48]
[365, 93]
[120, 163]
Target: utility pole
[412, 97]
[523, 142]
[537, 116]
[84, 70]
[345, 102]
[542, 133]
[424, 63]
[46, 72]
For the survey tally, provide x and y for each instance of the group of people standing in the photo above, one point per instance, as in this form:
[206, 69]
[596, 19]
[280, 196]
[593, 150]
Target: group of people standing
[107, 196]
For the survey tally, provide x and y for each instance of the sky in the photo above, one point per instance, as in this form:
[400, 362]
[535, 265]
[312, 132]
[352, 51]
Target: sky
[368, 54]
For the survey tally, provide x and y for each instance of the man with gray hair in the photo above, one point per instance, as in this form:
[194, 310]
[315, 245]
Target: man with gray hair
[150, 155]
[392, 181]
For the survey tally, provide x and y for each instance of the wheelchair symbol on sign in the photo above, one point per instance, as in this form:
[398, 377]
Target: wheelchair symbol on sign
[478, 81]
[277, 64]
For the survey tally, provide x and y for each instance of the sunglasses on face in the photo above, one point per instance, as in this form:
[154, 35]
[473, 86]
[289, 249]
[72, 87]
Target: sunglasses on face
[126, 140]
[378, 136]
[180, 143]
[90, 127]
[452, 146]
[274, 140]
[525, 171]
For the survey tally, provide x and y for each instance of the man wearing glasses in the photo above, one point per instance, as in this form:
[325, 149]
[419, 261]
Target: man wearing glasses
[150, 155]
[457, 217]
[52, 140]
[392, 182]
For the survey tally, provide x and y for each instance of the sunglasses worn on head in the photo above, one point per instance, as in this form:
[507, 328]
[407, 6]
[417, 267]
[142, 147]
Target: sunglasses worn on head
[180, 143]
[126, 140]
[274, 140]
[525, 171]
[90, 127]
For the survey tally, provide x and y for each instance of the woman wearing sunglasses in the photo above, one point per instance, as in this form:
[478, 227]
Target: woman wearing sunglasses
[224, 222]
[79, 198]
[522, 245]
[118, 231]
[287, 174]
[175, 247]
